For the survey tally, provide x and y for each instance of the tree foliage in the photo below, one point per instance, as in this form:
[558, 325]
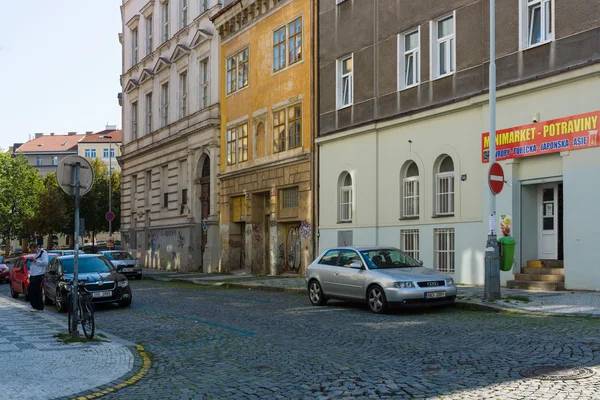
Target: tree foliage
[95, 204]
[20, 185]
[53, 212]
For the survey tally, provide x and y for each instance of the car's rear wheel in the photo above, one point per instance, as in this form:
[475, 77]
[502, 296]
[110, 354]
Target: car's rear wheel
[14, 294]
[315, 293]
[60, 301]
[376, 299]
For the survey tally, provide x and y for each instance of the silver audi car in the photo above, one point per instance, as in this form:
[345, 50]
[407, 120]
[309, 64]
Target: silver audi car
[382, 277]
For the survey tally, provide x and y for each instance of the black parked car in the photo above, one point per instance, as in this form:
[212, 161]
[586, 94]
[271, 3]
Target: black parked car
[99, 277]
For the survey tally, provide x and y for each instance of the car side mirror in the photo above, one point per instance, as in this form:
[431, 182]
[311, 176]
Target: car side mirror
[420, 262]
[356, 265]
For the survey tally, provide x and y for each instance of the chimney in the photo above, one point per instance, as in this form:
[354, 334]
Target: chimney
[89, 132]
[111, 127]
[72, 133]
[37, 135]
[52, 134]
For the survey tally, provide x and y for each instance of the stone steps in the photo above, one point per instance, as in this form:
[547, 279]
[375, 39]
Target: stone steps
[543, 271]
[540, 277]
[535, 285]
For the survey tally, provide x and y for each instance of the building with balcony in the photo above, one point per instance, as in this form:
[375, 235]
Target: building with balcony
[170, 152]
[267, 130]
[403, 149]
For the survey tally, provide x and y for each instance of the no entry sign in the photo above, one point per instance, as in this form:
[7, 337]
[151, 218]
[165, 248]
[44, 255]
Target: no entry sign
[496, 178]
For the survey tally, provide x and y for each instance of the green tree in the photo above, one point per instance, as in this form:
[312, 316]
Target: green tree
[20, 184]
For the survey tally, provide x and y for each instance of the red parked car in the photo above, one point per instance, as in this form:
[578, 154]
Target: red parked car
[19, 276]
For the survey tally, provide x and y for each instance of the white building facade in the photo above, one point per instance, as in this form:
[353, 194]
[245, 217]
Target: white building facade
[413, 174]
[170, 152]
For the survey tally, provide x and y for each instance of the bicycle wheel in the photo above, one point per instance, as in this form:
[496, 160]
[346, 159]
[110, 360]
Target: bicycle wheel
[87, 319]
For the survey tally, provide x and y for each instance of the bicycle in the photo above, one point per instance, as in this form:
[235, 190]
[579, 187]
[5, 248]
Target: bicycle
[85, 311]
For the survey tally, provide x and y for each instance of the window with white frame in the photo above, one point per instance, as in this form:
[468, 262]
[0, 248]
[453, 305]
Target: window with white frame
[410, 192]
[105, 153]
[87, 153]
[345, 82]
[54, 160]
[148, 112]
[93, 153]
[134, 120]
[444, 187]
[134, 46]
[237, 71]
[409, 242]
[443, 45]
[345, 197]
[183, 90]
[408, 59]
[165, 21]
[149, 34]
[164, 104]
[537, 22]
[444, 250]
[183, 13]
[204, 84]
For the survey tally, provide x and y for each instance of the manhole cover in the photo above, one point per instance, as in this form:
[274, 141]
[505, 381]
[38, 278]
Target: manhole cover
[557, 372]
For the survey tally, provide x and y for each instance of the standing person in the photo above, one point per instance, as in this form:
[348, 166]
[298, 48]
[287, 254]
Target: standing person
[39, 262]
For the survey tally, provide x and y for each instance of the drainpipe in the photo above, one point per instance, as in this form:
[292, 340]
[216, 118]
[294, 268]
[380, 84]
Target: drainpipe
[314, 162]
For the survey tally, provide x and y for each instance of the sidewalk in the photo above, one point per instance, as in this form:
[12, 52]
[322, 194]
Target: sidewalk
[560, 303]
[37, 365]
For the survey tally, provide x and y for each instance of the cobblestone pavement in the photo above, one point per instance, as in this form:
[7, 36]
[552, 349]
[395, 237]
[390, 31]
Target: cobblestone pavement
[36, 365]
[215, 343]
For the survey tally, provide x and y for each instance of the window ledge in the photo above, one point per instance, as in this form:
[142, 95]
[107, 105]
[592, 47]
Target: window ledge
[533, 46]
[338, 108]
[443, 76]
[409, 87]
[443, 216]
[344, 222]
[409, 218]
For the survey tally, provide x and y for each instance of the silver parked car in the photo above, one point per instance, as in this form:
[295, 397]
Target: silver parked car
[381, 276]
[124, 262]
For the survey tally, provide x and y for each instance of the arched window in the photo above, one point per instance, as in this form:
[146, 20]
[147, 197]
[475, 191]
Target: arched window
[410, 191]
[444, 187]
[345, 185]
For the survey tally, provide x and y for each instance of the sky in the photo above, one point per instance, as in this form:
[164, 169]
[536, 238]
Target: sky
[60, 64]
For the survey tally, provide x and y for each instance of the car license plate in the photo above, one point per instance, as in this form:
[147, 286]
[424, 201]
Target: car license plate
[101, 294]
[127, 270]
[434, 295]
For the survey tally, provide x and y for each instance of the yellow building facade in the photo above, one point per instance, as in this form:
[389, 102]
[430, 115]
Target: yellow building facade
[267, 130]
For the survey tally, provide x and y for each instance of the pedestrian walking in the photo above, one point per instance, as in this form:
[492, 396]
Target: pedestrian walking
[39, 262]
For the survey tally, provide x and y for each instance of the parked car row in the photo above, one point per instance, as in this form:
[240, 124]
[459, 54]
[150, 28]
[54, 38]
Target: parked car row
[103, 277]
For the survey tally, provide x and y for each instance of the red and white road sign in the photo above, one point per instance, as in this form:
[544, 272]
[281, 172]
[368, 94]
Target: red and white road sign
[496, 178]
[37, 235]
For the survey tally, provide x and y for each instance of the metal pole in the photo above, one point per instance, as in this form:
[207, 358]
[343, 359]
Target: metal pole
[110, 185]
[74, 321]
[492, 255]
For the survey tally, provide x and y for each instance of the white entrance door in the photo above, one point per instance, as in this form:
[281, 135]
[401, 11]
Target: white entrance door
[548, 221]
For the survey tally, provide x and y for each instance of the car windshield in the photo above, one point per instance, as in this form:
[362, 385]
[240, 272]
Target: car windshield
[87, 265]
[119, 255]
[388, 258]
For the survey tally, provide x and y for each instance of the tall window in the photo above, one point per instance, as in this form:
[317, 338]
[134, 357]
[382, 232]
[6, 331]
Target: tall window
[164, 104]
[148, 187]
[294, 126]
[410, 191]
[345, 83]
[184, 13]
[93, 153]
[204, 84]
[279, 49]
[134, 46]
[237, 144]
[164, 180]
[538, 19]
[231, 139]
[242, 139]
[409, 242]
[444, 250]
[287, 120]
[295, 40]
[408, 60]
[54, 160]
[148, 112]
[237, 71]
[105, 153]
[443, 47]
[444, 187]
[183, 89]
[165, 21]
[149, 34]
[134, 120]
[87, 153]
[345, 201]
[279, 131]
[132, 192]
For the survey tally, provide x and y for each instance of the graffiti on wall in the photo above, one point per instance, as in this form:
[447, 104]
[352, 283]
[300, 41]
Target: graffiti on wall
[305, 229]
[280, 261]
[256, 233]
[165, 247]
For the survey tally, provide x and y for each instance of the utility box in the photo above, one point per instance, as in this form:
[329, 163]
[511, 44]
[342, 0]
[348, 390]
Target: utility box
[507, 252]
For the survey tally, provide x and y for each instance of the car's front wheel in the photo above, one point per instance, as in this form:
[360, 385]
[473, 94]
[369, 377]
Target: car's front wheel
[376, 299]
[125, 302]
[315, 293]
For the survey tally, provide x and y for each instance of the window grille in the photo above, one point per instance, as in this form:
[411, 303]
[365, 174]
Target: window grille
[444, 250]
[411, 196]
[409, 241]
[290, 197]
[444, 204]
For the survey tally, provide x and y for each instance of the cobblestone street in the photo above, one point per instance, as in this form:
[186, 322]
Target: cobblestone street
[226, 344]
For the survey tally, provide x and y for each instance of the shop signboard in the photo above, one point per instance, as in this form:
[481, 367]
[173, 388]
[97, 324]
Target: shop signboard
[562, 134]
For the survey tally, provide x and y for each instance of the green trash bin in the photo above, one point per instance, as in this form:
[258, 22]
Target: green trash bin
[507, 252]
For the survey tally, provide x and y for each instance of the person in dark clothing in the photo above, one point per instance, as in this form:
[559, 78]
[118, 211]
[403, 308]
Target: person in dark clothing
[37, 269]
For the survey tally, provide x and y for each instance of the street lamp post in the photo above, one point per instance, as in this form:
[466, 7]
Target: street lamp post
[109, 181]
